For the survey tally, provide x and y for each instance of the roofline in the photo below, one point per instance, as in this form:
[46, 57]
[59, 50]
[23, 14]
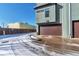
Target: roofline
[49, 23]
[48, 4]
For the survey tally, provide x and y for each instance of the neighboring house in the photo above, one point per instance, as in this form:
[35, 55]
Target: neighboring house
[19, 25]
[57, 19]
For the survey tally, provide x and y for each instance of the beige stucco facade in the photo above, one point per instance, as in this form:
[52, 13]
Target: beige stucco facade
[20, 26]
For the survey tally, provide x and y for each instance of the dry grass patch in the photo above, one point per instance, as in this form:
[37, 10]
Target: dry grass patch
[58, 42]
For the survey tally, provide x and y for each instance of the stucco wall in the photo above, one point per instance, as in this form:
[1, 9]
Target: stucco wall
[40, 17]
[20, 26]
[14, 25]
[65, 20]
[75, 11]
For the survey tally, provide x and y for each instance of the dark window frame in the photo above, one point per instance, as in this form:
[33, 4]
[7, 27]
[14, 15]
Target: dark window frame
[47, 12]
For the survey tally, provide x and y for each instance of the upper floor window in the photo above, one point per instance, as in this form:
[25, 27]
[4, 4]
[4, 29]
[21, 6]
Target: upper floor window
[46, 12]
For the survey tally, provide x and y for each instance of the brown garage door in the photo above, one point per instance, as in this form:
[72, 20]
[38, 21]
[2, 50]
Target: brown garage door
[76, 29]
[51, 30]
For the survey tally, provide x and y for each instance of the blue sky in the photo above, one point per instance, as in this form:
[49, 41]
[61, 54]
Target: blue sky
[17, 12]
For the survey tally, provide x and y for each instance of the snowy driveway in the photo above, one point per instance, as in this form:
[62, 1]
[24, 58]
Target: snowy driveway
[19, 45]
[23, 45]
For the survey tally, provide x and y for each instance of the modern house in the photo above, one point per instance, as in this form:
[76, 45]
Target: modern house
[58, 19]
[20, 25]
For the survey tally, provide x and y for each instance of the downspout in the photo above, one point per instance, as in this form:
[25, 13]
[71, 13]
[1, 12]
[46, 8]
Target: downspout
[70, 21]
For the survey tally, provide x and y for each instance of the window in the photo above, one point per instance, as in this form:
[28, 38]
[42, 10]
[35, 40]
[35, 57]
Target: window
[46, 12]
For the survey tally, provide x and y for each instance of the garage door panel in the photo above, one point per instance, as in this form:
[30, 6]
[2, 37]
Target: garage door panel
[50, 30]
[76, 29]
